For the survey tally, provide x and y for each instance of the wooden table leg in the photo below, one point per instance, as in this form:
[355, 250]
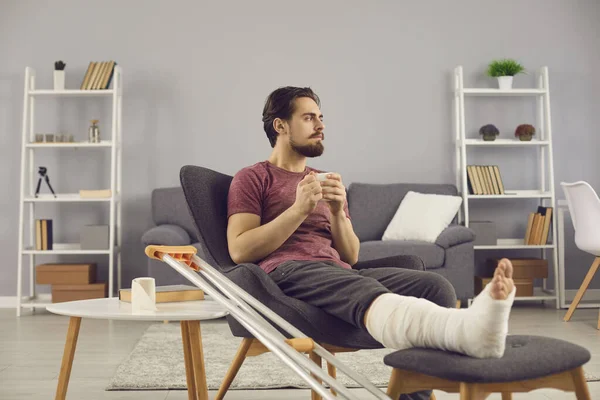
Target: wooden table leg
[198, 359]
[187, 356]
[67, 360]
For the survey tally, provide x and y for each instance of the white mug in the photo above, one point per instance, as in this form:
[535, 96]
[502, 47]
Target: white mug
[143, 294]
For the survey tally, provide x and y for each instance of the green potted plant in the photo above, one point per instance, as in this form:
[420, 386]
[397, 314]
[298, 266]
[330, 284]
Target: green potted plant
[489, 132]
[504, 70]
[525, 132]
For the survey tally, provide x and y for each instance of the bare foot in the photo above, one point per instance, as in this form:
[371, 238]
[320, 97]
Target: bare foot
[502, 284]
[489, 314]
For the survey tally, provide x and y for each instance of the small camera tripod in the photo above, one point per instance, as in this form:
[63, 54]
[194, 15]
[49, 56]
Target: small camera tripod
[42, 172]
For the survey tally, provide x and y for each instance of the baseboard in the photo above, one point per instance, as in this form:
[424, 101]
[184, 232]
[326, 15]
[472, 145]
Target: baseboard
[590, 295]
[11, 301]
[8, 301]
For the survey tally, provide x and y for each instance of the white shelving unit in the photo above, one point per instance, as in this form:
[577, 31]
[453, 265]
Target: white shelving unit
[28, 201]
[542, 144]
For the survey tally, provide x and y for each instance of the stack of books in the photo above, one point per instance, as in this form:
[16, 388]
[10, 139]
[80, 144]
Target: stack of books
[98, 75]
[484, 180]
[43, 234]
[538, 226]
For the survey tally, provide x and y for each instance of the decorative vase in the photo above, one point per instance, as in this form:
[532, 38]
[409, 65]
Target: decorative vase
[525, 138]
[505, 82]
[489, 137]
[59, 80]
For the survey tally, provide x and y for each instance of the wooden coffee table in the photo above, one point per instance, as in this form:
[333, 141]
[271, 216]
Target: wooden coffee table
[189, 313]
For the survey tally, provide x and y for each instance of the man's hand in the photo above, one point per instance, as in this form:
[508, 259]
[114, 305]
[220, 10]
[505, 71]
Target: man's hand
[308, 194]
[334, 193]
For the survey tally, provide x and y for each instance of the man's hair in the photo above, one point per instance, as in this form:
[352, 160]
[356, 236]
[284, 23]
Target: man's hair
[280, 104]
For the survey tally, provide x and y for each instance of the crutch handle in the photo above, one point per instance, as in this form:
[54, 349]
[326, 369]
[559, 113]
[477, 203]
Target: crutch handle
[180, 253]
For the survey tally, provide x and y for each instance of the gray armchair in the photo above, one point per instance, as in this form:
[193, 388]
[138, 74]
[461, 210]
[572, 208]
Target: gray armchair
[205, 194]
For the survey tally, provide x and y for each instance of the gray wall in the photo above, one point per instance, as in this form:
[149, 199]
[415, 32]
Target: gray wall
[196, 76]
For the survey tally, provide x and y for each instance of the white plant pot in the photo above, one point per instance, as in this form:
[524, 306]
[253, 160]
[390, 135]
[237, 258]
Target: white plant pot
[505, 82]
[59, 80]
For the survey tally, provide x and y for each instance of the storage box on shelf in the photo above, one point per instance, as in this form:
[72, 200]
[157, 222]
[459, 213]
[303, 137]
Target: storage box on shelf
[481, 183]
[27, 246]
[70, 282]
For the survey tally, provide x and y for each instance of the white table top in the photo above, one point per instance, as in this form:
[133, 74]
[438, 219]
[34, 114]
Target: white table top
[113, 308]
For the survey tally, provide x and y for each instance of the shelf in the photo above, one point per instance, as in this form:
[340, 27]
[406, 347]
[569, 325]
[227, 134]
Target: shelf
[66, 248]
[65, 197]
[103, 143]
[513, 194]
[505, 142]
[512, 244]
[35, 303]
[539, 294]
[71, 92]
[498, 92]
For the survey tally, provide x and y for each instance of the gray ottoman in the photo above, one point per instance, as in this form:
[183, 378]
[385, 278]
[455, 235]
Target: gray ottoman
[529, 363]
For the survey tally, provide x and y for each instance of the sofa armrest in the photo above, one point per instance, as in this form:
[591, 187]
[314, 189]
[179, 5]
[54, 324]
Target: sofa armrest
[167, 235]
[399, 261]
[454, 235]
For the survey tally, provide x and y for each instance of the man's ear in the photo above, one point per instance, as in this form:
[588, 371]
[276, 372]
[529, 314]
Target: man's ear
[279, 125]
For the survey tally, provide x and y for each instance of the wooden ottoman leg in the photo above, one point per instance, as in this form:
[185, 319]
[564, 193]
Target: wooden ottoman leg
[198, 359]
[471, 392]
[581, 388]
[506, 396]
[67, 360]
[189, 365]
[395, 385]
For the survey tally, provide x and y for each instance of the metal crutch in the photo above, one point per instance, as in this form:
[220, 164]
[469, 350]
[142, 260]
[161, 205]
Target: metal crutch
[185, 261]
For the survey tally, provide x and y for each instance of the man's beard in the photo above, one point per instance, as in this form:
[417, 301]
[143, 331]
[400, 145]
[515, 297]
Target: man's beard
[308, 150]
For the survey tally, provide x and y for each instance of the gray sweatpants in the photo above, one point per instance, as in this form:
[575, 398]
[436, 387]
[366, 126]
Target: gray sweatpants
[347, 294]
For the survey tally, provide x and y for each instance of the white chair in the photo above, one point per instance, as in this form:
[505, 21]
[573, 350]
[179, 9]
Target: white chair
[584, 207]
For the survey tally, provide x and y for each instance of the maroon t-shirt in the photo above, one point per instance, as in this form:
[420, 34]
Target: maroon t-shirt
[267, 190]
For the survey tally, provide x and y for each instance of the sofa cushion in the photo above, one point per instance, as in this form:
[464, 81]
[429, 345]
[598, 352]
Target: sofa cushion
[166, 235]
[372, 206]
[422, 216]
[169, 207]
[431, 254]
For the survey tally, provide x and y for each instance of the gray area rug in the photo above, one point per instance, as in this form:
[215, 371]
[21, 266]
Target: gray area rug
[156, 363]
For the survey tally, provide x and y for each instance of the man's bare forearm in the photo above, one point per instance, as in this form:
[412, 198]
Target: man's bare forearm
[257, 243]
[345, 240]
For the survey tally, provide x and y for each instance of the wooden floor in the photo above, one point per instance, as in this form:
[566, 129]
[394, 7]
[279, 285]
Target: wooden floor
[31, 349]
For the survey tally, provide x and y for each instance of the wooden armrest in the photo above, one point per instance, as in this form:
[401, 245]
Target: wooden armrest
[180, 253]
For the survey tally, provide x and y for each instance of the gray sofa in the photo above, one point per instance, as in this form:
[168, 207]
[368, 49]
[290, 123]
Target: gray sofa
[371, 206]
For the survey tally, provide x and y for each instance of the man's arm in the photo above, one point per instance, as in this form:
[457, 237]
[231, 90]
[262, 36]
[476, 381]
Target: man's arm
[345, 240]
[248, 241]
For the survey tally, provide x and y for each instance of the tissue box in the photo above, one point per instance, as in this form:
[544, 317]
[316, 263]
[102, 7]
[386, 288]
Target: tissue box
[94, 237]
[485, 233]
[61, 293]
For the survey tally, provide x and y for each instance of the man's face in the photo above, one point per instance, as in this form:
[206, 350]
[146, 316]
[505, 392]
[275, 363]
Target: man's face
[306, 128]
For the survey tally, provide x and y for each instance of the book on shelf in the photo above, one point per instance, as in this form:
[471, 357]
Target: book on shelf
[538, 226]
[169, 293]
[98, 75]
[43, 234]
[95, 194]
[484, 180]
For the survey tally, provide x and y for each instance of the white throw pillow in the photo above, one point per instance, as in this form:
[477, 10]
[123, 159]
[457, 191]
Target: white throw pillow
[422, 217]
